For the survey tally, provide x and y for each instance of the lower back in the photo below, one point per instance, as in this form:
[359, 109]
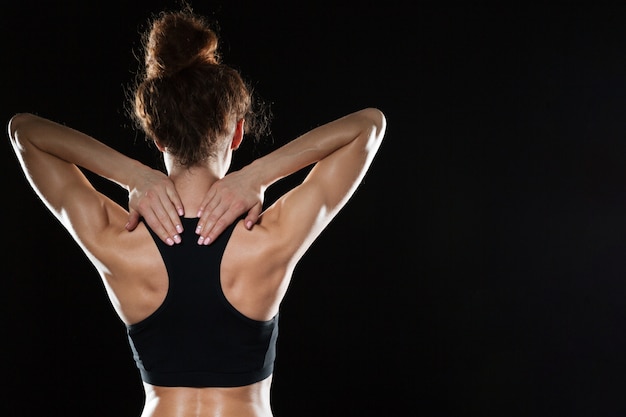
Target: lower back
[247, 401]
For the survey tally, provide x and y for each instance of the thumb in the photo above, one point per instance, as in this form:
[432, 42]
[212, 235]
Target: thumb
[253, 216]
[133, 220]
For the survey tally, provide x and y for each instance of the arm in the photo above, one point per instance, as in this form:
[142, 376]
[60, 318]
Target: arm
[341, 153]
[50, 153]
[363, 130]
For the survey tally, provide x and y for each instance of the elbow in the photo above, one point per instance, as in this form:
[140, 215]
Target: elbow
[381, 124]
[376, 123]
[16, 124]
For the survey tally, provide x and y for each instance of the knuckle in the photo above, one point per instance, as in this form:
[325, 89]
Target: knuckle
[212, 219]
[238, 205]
[220, 224]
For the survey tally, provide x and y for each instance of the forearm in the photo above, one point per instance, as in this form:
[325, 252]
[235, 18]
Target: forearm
[316, 145]
[74, 147]
[243, 190]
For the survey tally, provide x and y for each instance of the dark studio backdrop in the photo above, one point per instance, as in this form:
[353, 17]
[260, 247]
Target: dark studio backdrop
[478, 271]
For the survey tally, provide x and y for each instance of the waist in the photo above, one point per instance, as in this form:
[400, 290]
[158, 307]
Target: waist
[246, 401]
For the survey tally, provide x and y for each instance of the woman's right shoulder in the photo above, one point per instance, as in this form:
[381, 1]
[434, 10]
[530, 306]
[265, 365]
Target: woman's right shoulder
[257, 245]
[254, 269]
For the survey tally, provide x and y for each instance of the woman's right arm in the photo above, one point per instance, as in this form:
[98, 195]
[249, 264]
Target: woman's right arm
[342, 151]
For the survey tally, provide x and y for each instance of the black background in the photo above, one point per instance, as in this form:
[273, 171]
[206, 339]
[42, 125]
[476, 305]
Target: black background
[478, 270]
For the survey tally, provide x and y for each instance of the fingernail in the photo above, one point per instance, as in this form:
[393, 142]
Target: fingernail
[177, 239]
[200, 239]
[181, 212]
[198, 229]
[199, 213]
[207, 240]
[179, 228]
[169, 241]
[249, 224]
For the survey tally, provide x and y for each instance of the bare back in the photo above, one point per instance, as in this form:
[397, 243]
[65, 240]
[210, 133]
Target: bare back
[257, 264]
[138, 287]
[247, 401]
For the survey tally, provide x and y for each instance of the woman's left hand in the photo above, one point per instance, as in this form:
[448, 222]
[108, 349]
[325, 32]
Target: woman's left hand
[154, 197]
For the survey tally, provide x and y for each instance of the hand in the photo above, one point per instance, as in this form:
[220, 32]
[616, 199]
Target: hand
[154, 198]
[226, 200]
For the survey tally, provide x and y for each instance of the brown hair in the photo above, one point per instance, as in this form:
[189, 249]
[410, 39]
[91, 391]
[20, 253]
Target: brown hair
[186, 99]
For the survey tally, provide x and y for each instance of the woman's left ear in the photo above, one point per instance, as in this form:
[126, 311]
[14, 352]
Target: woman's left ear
[237, 136]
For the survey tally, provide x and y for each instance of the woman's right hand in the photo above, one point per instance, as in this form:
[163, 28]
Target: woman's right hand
[227, 199]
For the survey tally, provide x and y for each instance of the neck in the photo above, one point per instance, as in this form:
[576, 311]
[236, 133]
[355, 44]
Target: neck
[192, 183]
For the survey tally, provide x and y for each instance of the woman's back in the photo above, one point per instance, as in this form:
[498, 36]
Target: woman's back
[233, 393]
[140, 291]
[201, 312]
[255, 266]
[196, 337]
[249, 401]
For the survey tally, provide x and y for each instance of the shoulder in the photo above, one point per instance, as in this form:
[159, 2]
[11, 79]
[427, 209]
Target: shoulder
[99, 229]
[254, 272]
[256, 252]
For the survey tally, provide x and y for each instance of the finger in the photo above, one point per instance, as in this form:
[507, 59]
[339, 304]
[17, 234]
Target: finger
[209, 214]
[176, 201]
[217, 229]
[154, 209]
[210, 222]
[169, 214]
[153, 212]
[223, 221]
[161, 220]
[157, 227]
[133, 220]
[253, 216]
[209, 202]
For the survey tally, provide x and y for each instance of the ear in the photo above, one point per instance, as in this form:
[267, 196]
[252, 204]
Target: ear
[237, 136]
[159, 146]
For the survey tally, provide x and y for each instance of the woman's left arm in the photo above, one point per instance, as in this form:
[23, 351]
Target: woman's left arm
[51, 153]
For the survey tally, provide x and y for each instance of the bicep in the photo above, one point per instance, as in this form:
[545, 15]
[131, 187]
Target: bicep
[301, 215]
[65, 191]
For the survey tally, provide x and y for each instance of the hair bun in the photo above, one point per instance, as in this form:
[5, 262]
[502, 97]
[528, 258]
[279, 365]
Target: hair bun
[178, 40]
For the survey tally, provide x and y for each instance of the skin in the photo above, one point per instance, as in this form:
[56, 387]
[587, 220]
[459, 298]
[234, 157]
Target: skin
[259, 258]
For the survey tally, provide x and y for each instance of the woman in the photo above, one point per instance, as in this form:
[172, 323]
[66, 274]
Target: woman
[200, 295]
